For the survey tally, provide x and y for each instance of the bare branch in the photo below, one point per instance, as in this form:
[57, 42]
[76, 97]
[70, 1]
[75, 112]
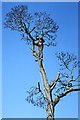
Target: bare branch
[60, 89]
[32, 29]
[68, 63]
[76, 79]
[50, 44]
[36, 97]
[39, 23]
[66, 59]
[53, 83]
[68, 91]
[39, 86]
[58, 97]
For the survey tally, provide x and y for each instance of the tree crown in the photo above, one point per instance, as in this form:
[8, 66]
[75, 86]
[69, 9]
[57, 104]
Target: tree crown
[32, 25]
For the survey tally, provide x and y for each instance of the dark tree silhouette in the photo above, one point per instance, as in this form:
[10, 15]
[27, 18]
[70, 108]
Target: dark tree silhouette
[39, 30]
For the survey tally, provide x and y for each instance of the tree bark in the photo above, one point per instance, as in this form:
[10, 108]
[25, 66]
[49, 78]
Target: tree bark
[48, 94]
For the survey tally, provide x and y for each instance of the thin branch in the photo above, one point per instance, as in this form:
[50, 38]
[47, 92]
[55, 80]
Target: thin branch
[75, 80]
[36, 97]
[32, 29]
[58, 90]
[28, 32]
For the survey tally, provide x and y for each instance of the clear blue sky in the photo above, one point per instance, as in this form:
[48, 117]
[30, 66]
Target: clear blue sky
[20, 71]
[0, 60]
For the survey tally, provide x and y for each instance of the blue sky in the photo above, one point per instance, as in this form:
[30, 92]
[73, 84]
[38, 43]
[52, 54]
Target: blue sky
[0, 62]
[20, 71]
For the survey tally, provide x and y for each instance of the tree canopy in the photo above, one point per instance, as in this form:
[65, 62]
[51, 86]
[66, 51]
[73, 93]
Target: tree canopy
[37, 24]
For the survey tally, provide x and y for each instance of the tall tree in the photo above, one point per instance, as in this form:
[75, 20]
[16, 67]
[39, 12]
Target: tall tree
[39, 30]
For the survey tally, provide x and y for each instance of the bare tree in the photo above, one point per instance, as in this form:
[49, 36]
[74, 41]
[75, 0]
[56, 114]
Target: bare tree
[39, 30]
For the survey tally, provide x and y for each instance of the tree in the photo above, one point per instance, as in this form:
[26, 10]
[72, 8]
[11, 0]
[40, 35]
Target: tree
[39, 30]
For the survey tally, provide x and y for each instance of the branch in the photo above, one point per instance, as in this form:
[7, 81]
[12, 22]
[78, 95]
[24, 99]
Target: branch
[33, 51]
[32, 29]
[68, 91]
[33, 44]
[28, 32]
[50, 44]
[39, 86]
[76, 79]
[53, 83]
[36, 97]
[58, 97]
[67, 60]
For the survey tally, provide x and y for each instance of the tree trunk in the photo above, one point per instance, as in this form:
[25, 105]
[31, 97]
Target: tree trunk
[47, 90]
[48, 93]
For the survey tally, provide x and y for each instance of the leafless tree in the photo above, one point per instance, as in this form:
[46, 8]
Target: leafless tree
[39, 30]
